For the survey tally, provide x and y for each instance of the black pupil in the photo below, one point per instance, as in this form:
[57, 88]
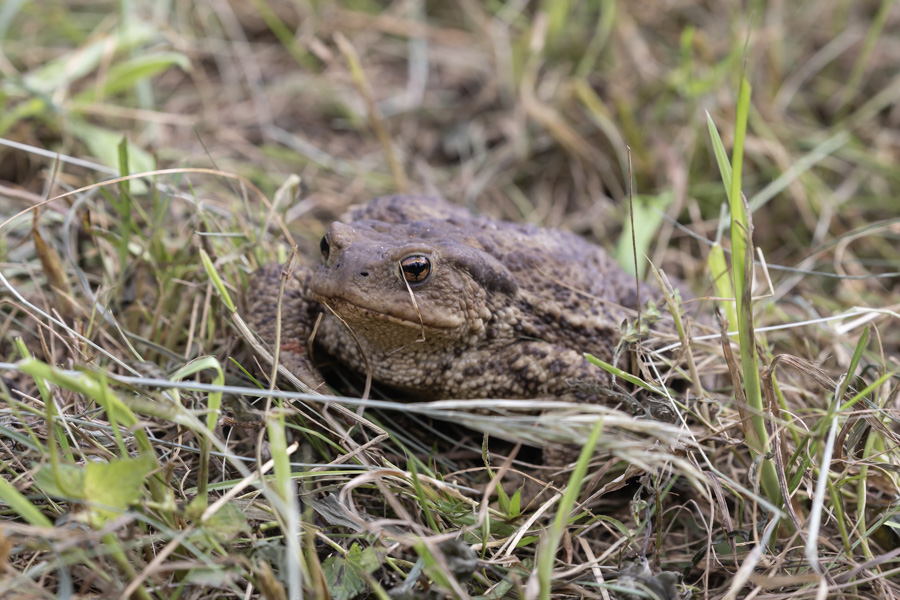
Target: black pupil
[324, 247]
[415, 268]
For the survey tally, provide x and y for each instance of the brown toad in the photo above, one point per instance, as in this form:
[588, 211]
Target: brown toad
[441, 304]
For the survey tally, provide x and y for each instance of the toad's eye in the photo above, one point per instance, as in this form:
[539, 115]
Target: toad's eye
[415, 268]
[324, 246]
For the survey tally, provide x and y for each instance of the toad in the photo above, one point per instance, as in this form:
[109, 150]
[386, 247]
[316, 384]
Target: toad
[436, 303]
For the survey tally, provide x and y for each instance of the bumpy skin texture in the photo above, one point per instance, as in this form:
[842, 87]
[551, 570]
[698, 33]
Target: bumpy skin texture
[502, 310]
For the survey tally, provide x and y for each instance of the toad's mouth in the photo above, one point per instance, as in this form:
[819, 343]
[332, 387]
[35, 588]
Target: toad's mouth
[408, 315]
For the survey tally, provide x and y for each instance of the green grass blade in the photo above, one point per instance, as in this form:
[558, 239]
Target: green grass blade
[721, 278]
[721, 155]
[214, 404]
[868, 390]
[804, 164]
[205, 363]
[851, 90]
[621, 374]
[558, 14]
[854, 364]
[547, 551]
[21, 505]
[216, 280]
[126, 74]
[741, 267]
[8, 11]
[741, 263]
[737, 153]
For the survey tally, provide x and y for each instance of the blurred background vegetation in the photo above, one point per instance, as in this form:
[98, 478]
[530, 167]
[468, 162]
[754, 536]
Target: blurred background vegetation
[523, 109]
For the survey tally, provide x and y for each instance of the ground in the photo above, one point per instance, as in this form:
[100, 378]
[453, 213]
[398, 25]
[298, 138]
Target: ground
[120, 309]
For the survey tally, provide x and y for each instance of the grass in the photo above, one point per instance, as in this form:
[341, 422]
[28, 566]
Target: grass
[146, 455]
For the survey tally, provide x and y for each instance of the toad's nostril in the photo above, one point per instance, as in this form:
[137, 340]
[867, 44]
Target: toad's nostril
[364, 273]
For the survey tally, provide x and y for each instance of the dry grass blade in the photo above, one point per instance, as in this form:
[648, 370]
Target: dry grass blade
[375, 120]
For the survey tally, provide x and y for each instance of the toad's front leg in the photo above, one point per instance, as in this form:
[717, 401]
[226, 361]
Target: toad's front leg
[298, 316]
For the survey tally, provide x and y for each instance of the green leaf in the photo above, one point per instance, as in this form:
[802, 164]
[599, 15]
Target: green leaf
[346, 575]
[80, 62]
[515, 505]
[502, 499]
[126, 74]
[648, 214]
[343, 582]
[112, 487]
[23, 110]
[104, 144]
[370, 559]
[227, 523]
[108, 488]
[67, 483]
